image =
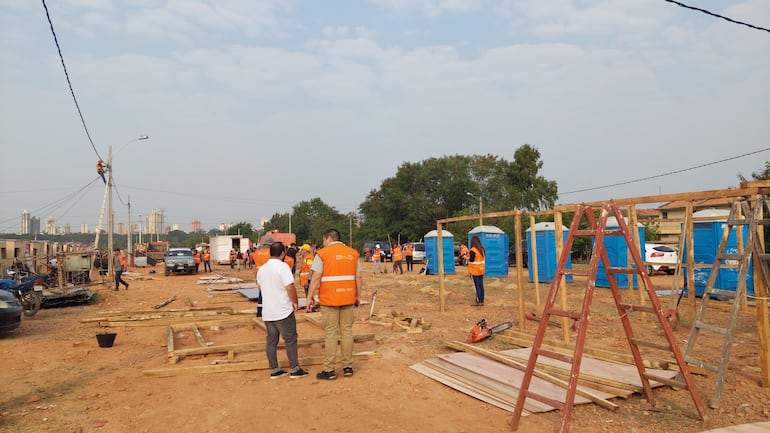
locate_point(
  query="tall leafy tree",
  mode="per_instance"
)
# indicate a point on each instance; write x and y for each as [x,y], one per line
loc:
[309,219]
[242,228]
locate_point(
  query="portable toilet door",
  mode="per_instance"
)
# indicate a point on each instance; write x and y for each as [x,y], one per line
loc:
[617,252]
[495,243]
[547,259]
[431,252]
[706,236]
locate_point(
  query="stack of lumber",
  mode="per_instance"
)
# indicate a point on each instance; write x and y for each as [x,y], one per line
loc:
[219,279]
[495,377]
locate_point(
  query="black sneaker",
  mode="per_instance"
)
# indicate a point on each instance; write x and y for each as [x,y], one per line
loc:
[326,375]
[277,374]
[298,374]
[347,371]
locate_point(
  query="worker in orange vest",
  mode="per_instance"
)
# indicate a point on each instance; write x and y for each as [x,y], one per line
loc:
[233,257]
[305,262]
[476,268]
[376,256]
[409,253]
[100,166]
[262,254]
[463,255]
[197,258]
[398,258]
[337,280]
[207,259]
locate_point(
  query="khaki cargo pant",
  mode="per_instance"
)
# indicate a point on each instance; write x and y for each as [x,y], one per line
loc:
[338,326]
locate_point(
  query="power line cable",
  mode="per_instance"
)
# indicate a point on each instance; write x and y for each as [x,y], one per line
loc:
[69,83]
[718,16]
[665,174]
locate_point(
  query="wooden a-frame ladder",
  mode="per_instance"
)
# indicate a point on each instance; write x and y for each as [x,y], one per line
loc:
[597,230]
[741,215]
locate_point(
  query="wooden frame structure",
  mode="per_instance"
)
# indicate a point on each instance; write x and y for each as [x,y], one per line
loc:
[749,190]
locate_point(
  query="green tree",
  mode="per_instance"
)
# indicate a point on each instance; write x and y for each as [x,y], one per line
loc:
[242,228]
[309,219]
[763,174]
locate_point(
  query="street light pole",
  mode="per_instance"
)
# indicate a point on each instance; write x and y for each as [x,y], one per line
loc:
[110,212]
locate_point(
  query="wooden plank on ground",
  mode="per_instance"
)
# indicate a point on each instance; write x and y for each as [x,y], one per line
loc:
[245,366]
[255,346]
[198,335]
[182,321]
[170,339]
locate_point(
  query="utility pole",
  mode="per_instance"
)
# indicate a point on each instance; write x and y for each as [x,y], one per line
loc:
[110,216]
[129,232]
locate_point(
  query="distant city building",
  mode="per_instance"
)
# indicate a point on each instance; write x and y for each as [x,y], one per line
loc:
[25,228]
[66,229]
[121,228]
[167,230]
[222,227]
[195,226]
[34,225]
[50,225]
[175,227]
[84,229]
[155,222]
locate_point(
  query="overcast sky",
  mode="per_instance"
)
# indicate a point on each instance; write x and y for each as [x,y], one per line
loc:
[254,106]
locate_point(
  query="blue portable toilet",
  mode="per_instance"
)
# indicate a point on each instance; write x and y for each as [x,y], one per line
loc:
[706,236]
[547,260]
[617,252]
[495,243]
[431,252]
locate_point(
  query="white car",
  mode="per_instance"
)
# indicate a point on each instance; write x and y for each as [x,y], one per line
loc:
[418,254]
[660,257]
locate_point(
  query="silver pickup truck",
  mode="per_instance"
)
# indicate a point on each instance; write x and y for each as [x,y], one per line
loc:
[179,260]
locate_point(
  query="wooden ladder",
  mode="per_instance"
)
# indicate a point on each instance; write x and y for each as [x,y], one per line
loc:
[741,215]
[597,230]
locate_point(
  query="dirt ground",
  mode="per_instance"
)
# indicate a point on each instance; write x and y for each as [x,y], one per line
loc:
[55,378]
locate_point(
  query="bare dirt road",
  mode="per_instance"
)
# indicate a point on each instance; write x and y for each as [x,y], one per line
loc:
[55,378]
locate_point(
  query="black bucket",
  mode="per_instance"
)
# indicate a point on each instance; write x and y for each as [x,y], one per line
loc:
[106,339]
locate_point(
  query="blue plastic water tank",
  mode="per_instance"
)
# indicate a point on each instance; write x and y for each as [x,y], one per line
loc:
[617,252]
[547,260]
[495,242]
[706,236]
[431,252]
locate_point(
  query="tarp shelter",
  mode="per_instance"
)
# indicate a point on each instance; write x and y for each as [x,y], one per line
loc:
[495,242]
[431,251]
[706,236]
[545,243]
[617,252]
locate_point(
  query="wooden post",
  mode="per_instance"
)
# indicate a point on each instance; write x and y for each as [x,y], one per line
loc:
[632,224]
[520,272]
[760,294]
[559,233]
[740,245]
[691,301]
[533,246]
[441,292]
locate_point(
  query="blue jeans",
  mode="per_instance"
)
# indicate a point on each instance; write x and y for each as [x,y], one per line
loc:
[478,283]
[286,328]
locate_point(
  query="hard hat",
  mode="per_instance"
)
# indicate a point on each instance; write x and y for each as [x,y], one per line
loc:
[305,247]
[377,246]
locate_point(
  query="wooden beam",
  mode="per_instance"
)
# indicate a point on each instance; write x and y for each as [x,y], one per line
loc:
[520,273]
[170,339]
[244,366]
[256,346]
[181,321]
[198,335]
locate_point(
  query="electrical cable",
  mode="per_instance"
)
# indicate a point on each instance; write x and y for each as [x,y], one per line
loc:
[718,16]
[69,83]
[51,207]
[664,174]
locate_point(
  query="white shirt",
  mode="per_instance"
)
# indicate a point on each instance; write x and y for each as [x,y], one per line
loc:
[272,279]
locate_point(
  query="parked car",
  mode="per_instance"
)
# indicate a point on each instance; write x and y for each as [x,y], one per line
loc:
[384,249]
[179,260]
[10,312]
[524,253]
[660,258]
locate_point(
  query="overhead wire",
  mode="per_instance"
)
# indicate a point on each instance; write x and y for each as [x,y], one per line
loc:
[56,204]
[665,174]
[69,82]
[707,12]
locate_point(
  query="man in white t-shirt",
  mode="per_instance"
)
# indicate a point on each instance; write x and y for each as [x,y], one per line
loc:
[279,302]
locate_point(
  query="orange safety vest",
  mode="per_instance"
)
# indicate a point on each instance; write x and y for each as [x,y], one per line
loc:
[463,251]
[122,259]
[397,256]
[304,269]
[338,280]
[376,255]
[409,250]
[100,166]
[197,257]
[476,267]
[289,260]
[233,255]
[207,256]
[261,256]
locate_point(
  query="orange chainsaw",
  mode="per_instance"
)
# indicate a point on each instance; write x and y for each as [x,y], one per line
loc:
[481,332]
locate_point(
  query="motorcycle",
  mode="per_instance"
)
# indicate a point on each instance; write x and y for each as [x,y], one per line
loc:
[28,290]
